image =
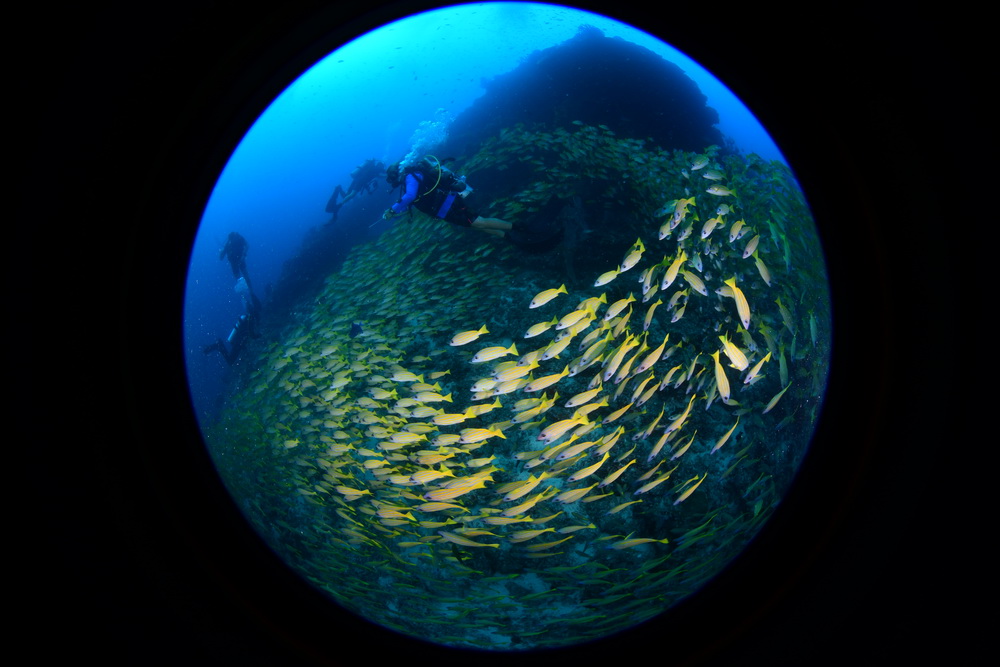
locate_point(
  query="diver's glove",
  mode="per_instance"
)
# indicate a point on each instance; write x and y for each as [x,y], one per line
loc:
[465,191]
[388,214]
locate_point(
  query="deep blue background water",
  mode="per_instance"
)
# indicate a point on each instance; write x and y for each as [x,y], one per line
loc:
[372,98]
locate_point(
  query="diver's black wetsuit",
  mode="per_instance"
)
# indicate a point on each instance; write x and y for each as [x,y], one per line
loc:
[362,180]
[246,327]
[236,251]
[441,202]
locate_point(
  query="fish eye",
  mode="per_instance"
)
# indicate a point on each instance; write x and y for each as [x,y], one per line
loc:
[304,441]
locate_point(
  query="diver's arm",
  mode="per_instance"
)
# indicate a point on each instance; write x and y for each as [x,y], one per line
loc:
[409,194]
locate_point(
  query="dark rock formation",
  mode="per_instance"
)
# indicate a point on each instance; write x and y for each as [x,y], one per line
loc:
[597,80]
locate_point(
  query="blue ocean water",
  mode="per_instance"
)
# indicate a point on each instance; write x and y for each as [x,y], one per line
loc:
[373,98]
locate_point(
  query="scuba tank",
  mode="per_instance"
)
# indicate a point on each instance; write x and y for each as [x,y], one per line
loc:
[435,179]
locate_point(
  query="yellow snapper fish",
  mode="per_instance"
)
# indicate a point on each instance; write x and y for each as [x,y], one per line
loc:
[677,423]
[491,353]
[734,231]
[649,315]
[774,401]
[544,297]
[617,307]
[681,205]
[513,372]
[756,369]
[664,230]
[471,435]
[555,348]
[589,470]
[751,246]
[736,357]
[684,496]
[633,257]
[431,397]
[678,314]
[467,336]
[463,541]
[615,475]
[583,397]
[558,429]
[447,419]
[696,283]
[526,487]
[762,269]
[720,378]
[709,226]
[540,328]
[742,307]
[725,437]
[606,277]
[652,357]
[680,451]
[630,541]
[572,318]
[719,190]
[671,274]
[546,381]
[573,495]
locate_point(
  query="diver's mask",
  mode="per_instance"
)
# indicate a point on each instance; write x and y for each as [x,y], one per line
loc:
[392,175]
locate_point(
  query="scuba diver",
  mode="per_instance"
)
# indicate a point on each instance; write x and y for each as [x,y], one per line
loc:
[236,251]
[435,190]
[362,180]
[246,326]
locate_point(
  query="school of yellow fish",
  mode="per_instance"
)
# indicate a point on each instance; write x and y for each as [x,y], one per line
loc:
[510,455]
